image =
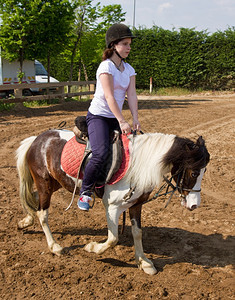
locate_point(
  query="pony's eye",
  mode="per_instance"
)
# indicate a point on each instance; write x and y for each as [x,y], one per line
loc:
[194,174]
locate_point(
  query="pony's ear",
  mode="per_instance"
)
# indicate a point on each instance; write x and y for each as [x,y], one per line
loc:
[200,141]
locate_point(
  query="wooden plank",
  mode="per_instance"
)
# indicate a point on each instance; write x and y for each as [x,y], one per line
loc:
[45,97]
[6,87]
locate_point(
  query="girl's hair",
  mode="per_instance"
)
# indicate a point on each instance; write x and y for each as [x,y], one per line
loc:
[108,52]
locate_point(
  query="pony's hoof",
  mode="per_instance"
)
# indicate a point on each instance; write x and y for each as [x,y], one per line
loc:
[56,249]
[147,267]
[91,247]
[26,222]
[97,248]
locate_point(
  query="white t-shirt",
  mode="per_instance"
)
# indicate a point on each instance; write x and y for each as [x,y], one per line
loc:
[121,81]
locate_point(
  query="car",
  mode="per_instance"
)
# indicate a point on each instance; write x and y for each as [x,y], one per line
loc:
[41,76]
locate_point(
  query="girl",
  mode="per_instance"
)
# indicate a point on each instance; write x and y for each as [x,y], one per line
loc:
[115,79]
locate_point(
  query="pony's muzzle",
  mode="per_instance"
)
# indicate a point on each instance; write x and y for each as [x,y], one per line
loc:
[193,207]
[191,201]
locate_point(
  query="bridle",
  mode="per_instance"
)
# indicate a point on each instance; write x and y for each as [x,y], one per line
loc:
[181,188]
[170,188]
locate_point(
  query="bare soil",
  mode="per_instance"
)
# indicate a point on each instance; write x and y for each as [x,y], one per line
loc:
[194,252]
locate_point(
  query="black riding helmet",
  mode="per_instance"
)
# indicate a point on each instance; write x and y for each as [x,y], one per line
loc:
[117,32]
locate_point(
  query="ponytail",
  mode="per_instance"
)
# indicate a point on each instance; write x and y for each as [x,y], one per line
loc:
[107,53]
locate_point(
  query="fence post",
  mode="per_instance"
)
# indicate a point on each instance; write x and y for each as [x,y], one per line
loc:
[60,91]
[91,89]
[18,93]
[151,85]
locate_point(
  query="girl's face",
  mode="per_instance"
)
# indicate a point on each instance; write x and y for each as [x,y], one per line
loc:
[124,47]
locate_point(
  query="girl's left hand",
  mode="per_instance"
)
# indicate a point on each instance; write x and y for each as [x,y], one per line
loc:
[136,125]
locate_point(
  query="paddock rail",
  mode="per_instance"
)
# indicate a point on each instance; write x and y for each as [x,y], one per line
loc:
[61,90]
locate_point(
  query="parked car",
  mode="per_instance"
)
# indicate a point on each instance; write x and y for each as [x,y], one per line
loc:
[41,76]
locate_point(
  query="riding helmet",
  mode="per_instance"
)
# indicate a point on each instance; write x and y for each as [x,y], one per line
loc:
[116,32]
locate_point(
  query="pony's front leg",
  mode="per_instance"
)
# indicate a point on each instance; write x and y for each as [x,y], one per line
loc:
[52,245]
[142,261]
[112,215]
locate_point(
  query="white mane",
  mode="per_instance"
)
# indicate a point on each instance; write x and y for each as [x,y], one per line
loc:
[146,154]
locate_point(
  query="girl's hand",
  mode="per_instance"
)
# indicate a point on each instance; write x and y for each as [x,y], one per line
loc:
[125,127]
[136,125]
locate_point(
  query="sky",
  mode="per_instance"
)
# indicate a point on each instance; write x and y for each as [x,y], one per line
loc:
[210,15]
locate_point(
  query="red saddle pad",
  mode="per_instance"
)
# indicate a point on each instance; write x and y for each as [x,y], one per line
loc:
[72,156]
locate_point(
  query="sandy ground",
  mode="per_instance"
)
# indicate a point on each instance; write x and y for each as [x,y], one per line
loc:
[194,252]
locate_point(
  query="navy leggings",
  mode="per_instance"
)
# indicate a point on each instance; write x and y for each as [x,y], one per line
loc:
[99,129]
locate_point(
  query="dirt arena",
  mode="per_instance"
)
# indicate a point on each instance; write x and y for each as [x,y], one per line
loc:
[194,252]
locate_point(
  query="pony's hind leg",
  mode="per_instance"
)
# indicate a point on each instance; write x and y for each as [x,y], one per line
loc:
[52,245]
[142,261]
[29,219]
[26,222]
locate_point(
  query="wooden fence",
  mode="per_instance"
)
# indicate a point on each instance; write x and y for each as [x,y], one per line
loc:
[51,90]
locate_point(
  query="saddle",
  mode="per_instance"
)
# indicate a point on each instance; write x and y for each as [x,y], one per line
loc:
[114,160]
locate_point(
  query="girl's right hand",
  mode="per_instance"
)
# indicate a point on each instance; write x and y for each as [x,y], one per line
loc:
[125,127]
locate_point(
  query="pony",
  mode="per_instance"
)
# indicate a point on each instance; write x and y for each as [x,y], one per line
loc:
[152,157]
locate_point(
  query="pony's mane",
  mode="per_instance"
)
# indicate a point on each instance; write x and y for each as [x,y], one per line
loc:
[184,153]
[154,154]
[147,152]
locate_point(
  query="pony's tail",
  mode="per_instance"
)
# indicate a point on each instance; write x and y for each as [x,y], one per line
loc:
[29,199]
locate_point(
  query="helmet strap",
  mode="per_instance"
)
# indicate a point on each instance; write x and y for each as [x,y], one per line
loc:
[118,54]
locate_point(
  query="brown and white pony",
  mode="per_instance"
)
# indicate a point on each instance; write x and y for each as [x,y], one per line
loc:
[152,155]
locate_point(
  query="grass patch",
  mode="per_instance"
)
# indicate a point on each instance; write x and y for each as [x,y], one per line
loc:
[169,91]
[41,103]
[173,91]
[6,106]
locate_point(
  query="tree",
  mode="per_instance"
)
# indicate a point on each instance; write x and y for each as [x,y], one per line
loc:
[17,30]
[93,41]
[89,29]
[55,18]
[85,16]
[34,29]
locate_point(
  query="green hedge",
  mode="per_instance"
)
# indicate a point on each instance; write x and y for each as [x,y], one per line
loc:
[186,58]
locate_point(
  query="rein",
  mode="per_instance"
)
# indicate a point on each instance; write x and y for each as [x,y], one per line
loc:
[61,125]
[168,184]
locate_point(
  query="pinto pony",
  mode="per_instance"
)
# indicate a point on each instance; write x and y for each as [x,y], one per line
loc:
[152,155]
